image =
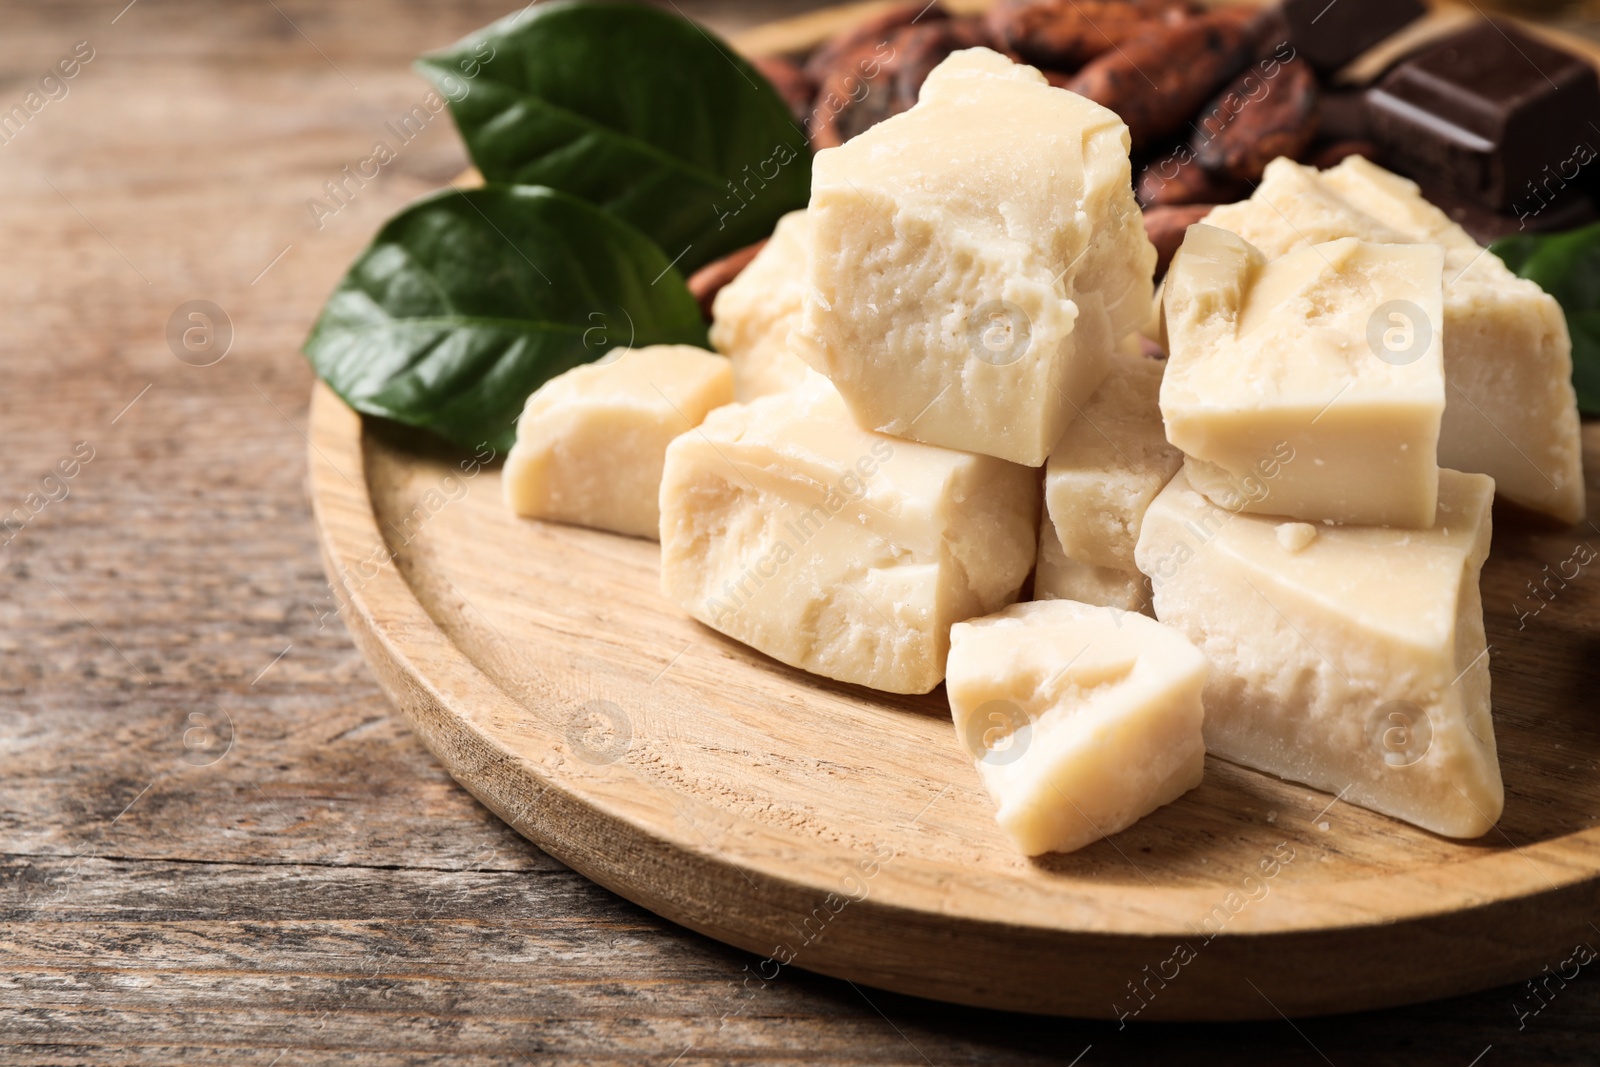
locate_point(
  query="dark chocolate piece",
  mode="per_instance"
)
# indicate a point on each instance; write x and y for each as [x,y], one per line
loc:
[1344,116]
[1493,114]
[1330,33]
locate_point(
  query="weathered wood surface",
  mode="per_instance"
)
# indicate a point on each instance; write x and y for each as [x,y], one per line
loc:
[324,892]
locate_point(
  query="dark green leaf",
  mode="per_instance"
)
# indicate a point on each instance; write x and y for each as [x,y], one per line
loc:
[636,110]
[1567,266]
[466,302]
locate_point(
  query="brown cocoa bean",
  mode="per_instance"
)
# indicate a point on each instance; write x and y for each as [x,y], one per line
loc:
[1157,80]
[1165,226]
[869,32]
[1256,119]
[875,82]
[791,82]
[1176,178]
[1063,35]
[707,282]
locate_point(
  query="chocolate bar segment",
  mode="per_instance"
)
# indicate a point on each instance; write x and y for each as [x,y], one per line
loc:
[1330,33]
[1493,114]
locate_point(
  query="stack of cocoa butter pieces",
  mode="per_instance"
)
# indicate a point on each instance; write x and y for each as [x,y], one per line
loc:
[972,443]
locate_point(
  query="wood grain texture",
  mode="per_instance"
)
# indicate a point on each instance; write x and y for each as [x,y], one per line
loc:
[325,893]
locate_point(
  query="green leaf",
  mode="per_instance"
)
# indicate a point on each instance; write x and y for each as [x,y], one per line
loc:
[636,110]
[1567,266]
[468,301]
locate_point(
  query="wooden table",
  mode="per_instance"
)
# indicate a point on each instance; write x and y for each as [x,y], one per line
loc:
[218,843]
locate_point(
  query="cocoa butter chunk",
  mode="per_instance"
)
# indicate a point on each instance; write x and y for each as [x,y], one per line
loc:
[709,280]
[1510,410]
[1491,113]
[1080,721]
[591,442]
[1332,34]
[975,260]
[1063,35]
[1256,119]
[1156,81]
[1353,660]
[1330,355]
[843,552]
[752,315]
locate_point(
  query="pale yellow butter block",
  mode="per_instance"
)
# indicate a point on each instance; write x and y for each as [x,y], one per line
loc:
[835,549]
[1109,465]
[1080,721]
[974,260]
[1056,577]
[591,442]
[1510,408]
[1350,658]
[1329,354]
[752,315]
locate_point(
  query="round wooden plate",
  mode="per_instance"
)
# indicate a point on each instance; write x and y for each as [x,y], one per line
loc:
[844,831]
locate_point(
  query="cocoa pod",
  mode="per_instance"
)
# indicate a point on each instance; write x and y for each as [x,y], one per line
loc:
[1256,119]
[876,81]
[1063,35]
[1335,152]
[869,32]
[791,82]
[1165,226]
[1177,178]
[1157,80]
[707,282]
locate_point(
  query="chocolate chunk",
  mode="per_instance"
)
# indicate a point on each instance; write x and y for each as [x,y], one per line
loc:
[1330,33]
[1493,114]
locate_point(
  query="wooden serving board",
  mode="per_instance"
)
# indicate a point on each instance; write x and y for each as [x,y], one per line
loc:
[844,831]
